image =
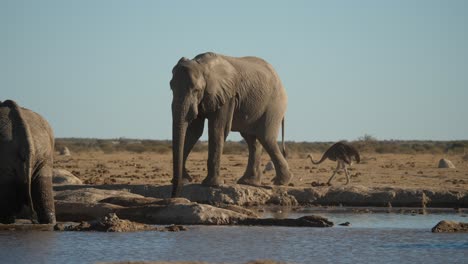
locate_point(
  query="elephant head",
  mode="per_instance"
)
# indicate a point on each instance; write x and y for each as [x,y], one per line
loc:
[199,86]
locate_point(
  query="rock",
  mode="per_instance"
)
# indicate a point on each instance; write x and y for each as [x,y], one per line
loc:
[269,167]
[140,201]
[241,195]
[345,224]
[64,151]
[239,209]
[445,163]
[186,214]
[305,221]
[92,195]
[281,197]
[175,228]
[130,201]
[60,227]
[450,227]
[26,227]
[176,200]
[64,177]
[76,211]
[237,194]
[112,223]
[265,261]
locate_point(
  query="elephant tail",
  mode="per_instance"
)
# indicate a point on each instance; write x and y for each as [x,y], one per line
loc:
[282,139]
[23,136]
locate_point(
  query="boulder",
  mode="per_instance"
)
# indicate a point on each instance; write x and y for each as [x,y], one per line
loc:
[64,177]
[112,223]
[76,211]
[450,227]
[141,201]
[237,194]
[446,164]
[26,227]
[242,195]
[186,214]
[239,209]
[130,201]
[305,221]
[92,195]
[269,167]
[281,197]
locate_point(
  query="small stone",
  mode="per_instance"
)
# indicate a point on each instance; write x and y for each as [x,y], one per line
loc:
[445,163]
[59,227]
[345,224]
[175,228]
[64,151]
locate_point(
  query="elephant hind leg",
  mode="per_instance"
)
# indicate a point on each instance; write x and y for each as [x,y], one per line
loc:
[42,195]
[283,175]
[253,173]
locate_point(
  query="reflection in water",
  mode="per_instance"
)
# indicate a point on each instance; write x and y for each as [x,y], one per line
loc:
[21,246]
[372,238]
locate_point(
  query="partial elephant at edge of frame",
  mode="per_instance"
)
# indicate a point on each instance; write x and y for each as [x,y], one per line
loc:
[26,148]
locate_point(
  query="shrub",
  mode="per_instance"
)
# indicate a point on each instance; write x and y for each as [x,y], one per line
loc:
[364,144]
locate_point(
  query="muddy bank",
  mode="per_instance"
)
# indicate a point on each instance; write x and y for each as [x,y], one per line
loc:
[26,227]
[88,204]
[242,195]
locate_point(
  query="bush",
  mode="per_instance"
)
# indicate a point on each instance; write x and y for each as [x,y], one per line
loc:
[363,144]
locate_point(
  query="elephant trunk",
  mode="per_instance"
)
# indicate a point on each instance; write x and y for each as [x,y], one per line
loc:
[179,128]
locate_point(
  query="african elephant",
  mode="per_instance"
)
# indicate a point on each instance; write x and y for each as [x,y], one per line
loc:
[241,94]
[26,151]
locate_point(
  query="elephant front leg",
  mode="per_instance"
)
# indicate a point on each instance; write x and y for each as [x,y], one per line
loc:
[194,132]
[253,173]
[42,196]
[215,149]
[219,125]
[8,200]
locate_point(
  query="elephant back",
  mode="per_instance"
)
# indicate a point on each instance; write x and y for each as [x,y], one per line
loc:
[6,126]
[17,130]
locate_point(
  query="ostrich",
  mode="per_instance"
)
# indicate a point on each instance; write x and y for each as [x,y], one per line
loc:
[343,154]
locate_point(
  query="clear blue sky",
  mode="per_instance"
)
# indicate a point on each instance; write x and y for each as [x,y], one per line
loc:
[391,69]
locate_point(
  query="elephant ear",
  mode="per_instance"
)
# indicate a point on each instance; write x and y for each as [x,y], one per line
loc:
[179,63]
[220,84]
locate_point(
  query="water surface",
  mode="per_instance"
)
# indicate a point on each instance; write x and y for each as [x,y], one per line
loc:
[371,238]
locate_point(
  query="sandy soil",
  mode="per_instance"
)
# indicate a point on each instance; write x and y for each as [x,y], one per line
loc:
[375,170]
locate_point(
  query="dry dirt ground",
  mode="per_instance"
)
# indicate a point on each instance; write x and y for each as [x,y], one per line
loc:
[375,170]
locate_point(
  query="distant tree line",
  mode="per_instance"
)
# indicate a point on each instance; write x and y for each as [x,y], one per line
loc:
[364,144]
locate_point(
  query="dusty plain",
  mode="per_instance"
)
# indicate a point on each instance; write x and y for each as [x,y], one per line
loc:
[416,171]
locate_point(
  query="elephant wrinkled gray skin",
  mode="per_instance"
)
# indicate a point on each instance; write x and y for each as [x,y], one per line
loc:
[235,94]
[26,151]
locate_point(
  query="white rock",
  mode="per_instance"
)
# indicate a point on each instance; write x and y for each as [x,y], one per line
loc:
[445,163]
[64,151]
[64,177]
[269,166]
